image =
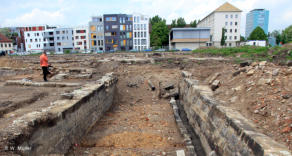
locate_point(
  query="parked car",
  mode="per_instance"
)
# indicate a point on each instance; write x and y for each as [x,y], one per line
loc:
[99,51]
[148,50]
[175,50]
[160,50]
[2,53]
[133,50]
[186,49]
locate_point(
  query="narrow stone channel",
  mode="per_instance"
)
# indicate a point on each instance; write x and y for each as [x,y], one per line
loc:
[139,123]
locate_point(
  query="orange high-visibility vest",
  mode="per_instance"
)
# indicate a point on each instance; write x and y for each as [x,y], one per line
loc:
[44,60]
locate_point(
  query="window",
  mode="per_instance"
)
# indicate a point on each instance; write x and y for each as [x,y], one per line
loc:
[135,19]
[30,40]
[235,23]
[121,20]
[230,44]
[226,23]
[58,38]
[130,27]
[235,37]
[235,30]
[63,38]
[138,34]
[113,33]
[28,34]
[230,23]
[58,43]
[38,34]
[230,37]
[145,27]
[114,26]
[40,40]
[36,40]
[231,30]
[236,16]
[138,19]
[76,37]
[92,28]
[231,16]
[141,34]
[9,45]
[63,32]
[57,32]
[83,37]
[135,34]
[143,41]
[226,16]
[135,26]
[145,34]
[107,27]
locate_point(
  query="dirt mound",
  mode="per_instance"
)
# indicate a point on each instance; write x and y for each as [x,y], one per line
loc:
[132,140]
[13,63]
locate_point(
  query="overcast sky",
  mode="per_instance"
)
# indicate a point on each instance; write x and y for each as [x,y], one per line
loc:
[72,13]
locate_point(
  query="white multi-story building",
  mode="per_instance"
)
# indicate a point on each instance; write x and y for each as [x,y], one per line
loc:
[228,17]
[63,39]
[81,38]
[96,34]
[141,36]
[34,38]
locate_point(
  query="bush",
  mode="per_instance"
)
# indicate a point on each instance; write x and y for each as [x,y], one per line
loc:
[67,51]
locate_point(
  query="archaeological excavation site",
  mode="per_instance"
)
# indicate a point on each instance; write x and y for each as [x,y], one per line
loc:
[145,104]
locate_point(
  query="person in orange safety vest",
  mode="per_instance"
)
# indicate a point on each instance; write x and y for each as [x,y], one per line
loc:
[44,64]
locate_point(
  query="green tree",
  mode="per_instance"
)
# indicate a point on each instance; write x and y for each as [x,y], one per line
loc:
[6,32]
[173,23]
[159,34]
[277,35]
[242,39]
[286,35]
[156,19]
[223,37]
[180,22]
[258,34]
[193,23]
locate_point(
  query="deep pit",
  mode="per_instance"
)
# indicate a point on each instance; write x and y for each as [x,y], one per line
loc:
[107,105]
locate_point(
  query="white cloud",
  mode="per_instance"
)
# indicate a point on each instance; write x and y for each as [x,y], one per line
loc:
[36,17]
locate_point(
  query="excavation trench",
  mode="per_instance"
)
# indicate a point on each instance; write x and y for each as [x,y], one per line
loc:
[121,115]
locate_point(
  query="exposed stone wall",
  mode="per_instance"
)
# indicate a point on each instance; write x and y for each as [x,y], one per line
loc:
[63,123]
[223,130]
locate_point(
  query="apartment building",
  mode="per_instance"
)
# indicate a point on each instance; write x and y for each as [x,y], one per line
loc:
[228,17]
[96,34]
[191,38]
[255,18]
[141,35]
[34,38]
[49,44]
[5,44]
[80,35]
[118,32]
[63,39]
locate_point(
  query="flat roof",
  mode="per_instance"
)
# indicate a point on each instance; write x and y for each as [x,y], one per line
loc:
[201,28]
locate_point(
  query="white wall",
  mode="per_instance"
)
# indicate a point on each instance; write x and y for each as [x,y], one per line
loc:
[137,40]
[78,39]
[217,20]
[34,41]
[6,46]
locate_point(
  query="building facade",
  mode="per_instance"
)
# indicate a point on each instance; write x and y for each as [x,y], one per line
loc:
[49,44]
[81,38]
[191,38]
[6,44]
[34,38]
[227,17]
[118,32]
[96,34]
[141,35]
[63,40]
[255,18]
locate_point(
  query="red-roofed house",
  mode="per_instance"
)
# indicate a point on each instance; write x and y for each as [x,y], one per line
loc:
[5,44]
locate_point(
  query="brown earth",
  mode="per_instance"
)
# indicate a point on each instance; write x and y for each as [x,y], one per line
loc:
[140,123]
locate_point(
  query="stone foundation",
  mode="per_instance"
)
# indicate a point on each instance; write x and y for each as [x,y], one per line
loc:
[221,129]
[54,129]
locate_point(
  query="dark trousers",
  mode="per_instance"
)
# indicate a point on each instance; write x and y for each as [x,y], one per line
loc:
[45,73]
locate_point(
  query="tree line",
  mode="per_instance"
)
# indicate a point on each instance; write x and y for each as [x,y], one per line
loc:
[160,30]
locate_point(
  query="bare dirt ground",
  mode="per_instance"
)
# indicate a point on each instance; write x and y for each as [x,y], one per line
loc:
[139,122]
